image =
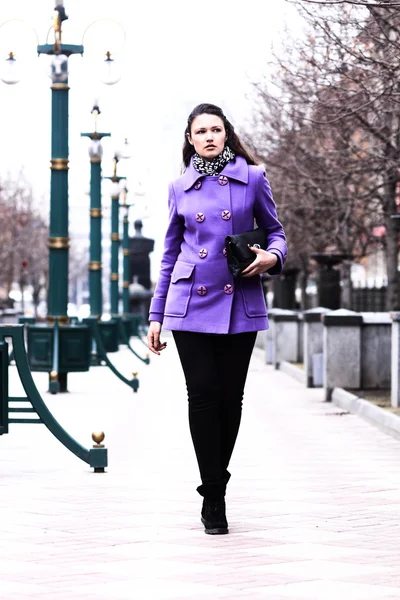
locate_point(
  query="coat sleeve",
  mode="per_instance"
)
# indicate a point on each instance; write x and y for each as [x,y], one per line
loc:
[266,217]
[172,248]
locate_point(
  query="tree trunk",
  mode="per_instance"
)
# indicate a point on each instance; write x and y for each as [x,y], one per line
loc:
[304,305]
[10,274]
[393,296]
[35,298]
[346,285]
[22,290]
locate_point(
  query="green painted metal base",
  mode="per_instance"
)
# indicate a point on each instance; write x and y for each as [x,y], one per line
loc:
[124,327]
[26,320]
[58,385]
[136,327]
[3,387]
[109,335]
[54,386]
[95,360]
[23,320]
[101,352]
[96,457]
[58,350]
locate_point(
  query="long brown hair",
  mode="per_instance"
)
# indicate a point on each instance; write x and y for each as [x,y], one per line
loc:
[232,141]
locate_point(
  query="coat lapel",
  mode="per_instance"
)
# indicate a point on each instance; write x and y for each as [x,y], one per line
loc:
[236,169]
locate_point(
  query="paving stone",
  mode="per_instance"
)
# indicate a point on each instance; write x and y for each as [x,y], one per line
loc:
[313,503]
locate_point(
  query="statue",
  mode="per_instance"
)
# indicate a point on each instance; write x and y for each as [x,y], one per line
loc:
[139,259]
[140,248]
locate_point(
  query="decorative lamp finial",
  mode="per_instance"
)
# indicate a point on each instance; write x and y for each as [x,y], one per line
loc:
[98,438]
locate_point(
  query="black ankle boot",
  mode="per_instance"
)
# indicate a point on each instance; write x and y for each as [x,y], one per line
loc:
[213,516]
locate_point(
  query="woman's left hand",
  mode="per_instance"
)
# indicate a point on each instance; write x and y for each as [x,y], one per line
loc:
[264,261]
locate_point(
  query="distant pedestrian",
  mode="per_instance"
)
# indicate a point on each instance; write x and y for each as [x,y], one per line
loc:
[214,316]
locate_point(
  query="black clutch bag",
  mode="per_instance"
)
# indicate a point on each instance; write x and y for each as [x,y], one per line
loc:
[238,253]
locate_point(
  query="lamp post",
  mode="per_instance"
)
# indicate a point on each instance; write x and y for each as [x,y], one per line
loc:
[125,252]
[95,264]
[115,238]
[54,349]
[115,242]
[59,238]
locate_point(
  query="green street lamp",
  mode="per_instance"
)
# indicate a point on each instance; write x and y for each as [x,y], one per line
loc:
[59,237]
[95,263]
[10,72]
[126,253]
[111,74]
[115,238]
[127,325]
[54,349]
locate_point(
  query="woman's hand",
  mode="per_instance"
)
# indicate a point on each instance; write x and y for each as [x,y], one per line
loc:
[264,261]
[153,338]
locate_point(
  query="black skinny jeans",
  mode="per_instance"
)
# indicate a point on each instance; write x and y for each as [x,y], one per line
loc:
[215,368]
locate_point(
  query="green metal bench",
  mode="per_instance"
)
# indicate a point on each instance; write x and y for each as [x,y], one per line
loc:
[11,411]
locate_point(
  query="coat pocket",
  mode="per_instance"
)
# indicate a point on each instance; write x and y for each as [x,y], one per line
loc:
[253,297]
[180,290]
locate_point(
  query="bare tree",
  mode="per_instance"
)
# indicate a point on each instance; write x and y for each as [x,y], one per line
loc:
[23,239]
[330,125]
[31,267]
[322,205]
[364,3]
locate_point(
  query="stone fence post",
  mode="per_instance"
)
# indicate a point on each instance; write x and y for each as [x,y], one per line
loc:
[341,350]
[284,336]
[376,336]
[270,336]
[395,363]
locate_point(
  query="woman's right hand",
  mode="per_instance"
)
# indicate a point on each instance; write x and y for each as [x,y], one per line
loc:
[153,338]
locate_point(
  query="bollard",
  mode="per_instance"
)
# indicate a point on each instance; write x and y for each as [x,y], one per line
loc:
[312,343]
[341,350]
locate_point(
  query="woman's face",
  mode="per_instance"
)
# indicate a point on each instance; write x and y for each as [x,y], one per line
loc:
[207,135]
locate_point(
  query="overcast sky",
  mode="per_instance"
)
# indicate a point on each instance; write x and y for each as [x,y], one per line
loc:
[177,54]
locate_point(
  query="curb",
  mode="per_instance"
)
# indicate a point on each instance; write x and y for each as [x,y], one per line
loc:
[373,414]
[387,422]
[293,371]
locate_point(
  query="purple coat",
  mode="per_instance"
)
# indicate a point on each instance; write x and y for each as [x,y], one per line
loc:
[195,289]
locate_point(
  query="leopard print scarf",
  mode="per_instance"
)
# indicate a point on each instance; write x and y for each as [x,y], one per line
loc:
[215,165]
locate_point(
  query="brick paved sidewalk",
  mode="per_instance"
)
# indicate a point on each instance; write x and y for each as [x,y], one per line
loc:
[313,504]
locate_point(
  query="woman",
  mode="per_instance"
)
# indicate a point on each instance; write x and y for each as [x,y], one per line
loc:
[214,318]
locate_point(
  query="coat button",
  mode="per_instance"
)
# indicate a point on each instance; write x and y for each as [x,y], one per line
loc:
[202,290]
[228,289]
[222,180]
[203,253]
[226,215]
[197,185]
[224,252]
[200,217]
